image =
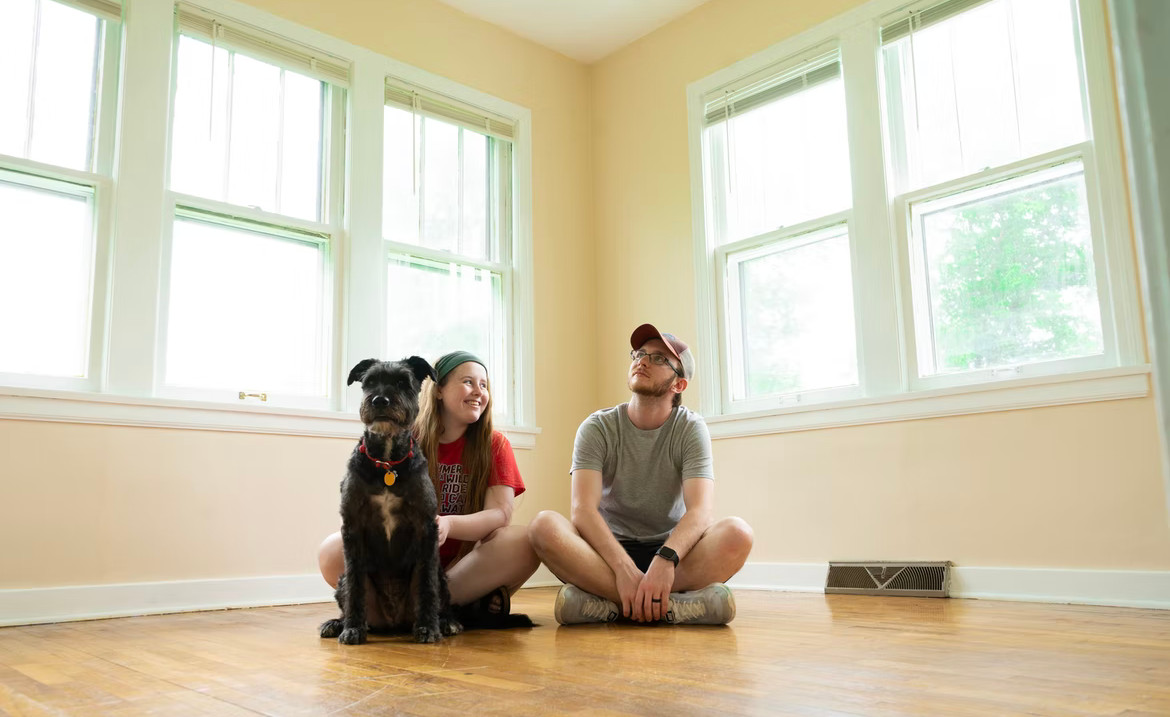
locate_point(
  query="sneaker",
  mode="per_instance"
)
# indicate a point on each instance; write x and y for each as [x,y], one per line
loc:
[713,605]
[575,606]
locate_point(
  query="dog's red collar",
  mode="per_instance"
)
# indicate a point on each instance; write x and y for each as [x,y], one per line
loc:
[390,476]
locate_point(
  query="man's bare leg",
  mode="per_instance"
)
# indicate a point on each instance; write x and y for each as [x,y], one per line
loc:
[718,555]
[569,557]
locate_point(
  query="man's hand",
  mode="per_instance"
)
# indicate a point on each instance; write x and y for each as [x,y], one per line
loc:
[628,580]
[444,526]
[653,596]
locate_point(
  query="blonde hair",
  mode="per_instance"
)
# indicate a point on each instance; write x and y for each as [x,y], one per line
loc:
[477,461]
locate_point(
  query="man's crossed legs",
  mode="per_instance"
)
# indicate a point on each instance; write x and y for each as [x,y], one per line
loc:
[698,594]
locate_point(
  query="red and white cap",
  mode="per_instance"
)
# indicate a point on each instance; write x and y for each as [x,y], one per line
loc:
[676,346]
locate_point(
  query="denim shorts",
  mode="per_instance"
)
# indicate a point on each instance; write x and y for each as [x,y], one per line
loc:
[641,552]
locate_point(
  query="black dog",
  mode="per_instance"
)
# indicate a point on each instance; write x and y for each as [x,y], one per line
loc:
[388,509]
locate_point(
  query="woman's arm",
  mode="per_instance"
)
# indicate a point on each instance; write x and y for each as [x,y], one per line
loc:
[496,513]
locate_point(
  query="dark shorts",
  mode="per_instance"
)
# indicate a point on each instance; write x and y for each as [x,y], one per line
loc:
[641,552]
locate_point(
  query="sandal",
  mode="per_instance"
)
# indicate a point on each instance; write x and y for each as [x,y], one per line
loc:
[496,604]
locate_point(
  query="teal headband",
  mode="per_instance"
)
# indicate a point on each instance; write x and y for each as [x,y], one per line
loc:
[449,361]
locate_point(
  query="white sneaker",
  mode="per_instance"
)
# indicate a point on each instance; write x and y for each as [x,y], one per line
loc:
[712,605]
[575,606]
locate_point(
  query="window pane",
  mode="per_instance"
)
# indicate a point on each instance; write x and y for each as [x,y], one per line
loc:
[399,190]
[1009,274]
[463,310]
[52,50]
[440,185]
[795,308]
[474,238]
[990,86]
[245,311]
[46,239]
[247,132]
[788,162]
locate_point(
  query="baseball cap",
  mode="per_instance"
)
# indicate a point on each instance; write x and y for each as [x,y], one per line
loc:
[676,346]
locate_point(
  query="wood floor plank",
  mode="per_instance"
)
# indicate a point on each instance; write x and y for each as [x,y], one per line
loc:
[786,653]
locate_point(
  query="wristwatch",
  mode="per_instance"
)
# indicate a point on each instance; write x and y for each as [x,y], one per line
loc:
[668,553]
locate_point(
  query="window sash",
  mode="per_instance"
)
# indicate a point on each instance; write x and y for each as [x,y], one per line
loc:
[262,224]
[917,309]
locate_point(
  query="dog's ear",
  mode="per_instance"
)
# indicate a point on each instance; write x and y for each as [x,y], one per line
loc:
[422,369]
[358,371]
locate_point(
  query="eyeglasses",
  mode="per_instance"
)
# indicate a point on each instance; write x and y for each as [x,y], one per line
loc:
[657,359]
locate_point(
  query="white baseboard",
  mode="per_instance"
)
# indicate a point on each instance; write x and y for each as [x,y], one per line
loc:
[1120,588]
[91,602]
[1117,588]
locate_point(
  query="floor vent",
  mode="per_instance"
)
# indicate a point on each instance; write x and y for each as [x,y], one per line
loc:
[889,578]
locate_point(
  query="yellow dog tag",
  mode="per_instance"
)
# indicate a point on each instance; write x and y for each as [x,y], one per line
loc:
[391,476]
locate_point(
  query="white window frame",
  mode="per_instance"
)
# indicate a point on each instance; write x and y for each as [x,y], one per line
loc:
[97,184]
[889,387]
[127,383]
[504,256]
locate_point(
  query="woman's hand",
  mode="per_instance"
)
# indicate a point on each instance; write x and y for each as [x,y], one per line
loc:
[444,526]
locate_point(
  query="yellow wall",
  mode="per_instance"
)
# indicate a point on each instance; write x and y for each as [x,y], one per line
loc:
[85,505]
[1075,486]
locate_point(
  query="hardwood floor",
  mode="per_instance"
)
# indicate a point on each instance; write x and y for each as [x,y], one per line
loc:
[785,653]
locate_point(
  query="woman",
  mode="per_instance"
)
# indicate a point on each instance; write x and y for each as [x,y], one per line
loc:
[476,481]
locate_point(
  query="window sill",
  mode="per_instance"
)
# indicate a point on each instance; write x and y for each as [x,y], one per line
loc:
[110,410]
[1104,385]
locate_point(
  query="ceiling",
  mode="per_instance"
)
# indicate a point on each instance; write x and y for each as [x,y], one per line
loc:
[585,30]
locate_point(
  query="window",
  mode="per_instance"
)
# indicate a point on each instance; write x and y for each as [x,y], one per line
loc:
[778,197]
[233,268]
[249,297]
[447,225]
[908,201]
[55,155]
[987,136]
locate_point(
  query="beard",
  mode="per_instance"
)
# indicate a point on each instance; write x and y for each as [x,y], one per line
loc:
[654,390]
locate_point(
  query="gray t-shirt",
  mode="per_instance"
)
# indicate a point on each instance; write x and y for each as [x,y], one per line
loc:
[642,471]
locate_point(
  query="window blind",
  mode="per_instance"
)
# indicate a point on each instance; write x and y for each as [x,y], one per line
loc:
[904,22]
[105,9]
[769,86]
[404,96]
[254,42]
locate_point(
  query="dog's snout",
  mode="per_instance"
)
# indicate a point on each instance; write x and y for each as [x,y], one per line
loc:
[379,401]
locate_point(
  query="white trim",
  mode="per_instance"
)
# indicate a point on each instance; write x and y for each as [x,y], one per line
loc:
[92,602]
[1104,385]
[1116,588]
[543,578]
[33,606]
[111,410]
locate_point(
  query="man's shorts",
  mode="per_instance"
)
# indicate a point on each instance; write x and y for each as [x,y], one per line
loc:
[641,552]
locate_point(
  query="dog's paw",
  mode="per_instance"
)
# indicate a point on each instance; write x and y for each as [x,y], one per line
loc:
[427,633]
[352,636]
[450,626]
[331,628]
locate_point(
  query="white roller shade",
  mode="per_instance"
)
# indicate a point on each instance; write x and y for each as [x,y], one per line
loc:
[105,9]
[404,96]
[900,24]
[254,42]
[768,86]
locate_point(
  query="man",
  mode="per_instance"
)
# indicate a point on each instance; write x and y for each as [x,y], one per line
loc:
[642,541]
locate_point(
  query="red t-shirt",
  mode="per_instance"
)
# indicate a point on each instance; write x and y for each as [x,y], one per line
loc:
[453,482]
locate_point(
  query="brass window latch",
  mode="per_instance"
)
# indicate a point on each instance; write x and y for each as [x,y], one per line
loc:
[261,396]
